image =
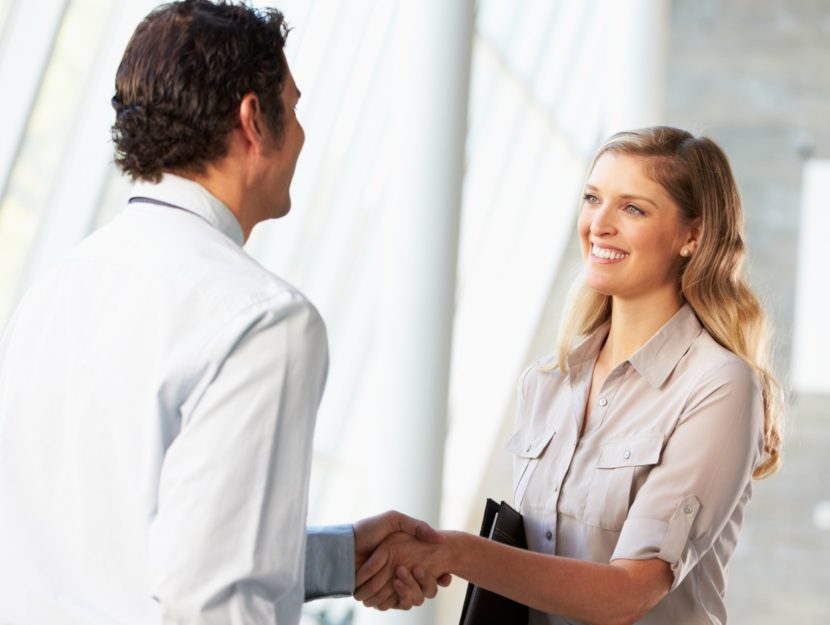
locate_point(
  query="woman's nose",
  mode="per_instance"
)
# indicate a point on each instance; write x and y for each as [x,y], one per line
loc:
[603,221]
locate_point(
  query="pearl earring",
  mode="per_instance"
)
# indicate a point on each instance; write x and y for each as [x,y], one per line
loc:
[685,253]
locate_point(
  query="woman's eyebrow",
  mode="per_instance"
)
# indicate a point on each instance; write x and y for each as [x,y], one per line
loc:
[627,196]
[640,198]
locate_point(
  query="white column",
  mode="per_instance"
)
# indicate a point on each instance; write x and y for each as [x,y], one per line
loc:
[811,342]
[637,53]
[420,246]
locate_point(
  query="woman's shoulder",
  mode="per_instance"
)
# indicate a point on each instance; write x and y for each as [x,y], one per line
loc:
[547,365]
[712,371]
[541,378]
[712,359]
[541,397]
[545,368]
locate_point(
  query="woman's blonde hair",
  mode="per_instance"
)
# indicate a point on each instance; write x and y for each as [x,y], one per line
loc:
[696,174]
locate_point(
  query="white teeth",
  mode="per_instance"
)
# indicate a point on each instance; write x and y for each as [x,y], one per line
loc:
[601,252]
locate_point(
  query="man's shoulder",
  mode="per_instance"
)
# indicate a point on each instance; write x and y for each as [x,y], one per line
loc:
[179,262]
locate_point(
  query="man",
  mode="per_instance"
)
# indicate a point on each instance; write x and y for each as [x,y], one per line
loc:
[158,387]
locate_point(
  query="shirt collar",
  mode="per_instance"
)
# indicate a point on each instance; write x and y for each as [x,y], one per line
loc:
[194,198]
[657,358]
[586,352]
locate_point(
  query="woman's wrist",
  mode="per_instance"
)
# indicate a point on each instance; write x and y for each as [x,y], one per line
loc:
[454,552]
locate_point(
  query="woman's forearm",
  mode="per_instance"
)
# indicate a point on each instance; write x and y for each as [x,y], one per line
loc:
[610,594]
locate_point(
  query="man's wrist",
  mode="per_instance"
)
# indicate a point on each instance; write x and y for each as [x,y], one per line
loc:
[330,561]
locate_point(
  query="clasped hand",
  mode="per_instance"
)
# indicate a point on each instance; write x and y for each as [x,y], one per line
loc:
[397,562]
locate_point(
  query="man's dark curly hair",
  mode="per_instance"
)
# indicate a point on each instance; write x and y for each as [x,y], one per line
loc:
[182,78]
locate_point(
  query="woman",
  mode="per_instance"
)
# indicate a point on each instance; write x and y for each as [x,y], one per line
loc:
[636,448]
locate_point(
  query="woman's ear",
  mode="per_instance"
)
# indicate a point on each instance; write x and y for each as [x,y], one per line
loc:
[693,236]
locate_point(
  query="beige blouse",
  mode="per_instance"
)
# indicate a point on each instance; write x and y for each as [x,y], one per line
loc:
[665,474]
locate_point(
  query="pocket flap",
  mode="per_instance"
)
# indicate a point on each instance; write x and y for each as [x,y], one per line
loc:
[525,444]
[631,452]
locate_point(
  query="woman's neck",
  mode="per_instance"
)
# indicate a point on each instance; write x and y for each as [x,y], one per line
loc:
[634,322]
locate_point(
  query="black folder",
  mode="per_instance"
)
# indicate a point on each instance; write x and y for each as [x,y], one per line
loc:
[482,607]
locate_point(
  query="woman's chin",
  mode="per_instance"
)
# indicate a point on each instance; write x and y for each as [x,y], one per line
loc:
[600,285]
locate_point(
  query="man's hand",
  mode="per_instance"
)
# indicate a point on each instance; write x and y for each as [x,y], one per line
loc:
[398,555]
[412,586]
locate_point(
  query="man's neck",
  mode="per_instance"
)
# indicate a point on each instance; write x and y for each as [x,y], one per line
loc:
[229,188]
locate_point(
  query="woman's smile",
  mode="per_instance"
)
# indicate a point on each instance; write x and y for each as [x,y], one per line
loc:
[607,255]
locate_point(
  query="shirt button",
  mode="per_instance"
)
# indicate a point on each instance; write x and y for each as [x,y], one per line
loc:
[549,535]
[627,454]
[603,402]
[687,509]
[528,447]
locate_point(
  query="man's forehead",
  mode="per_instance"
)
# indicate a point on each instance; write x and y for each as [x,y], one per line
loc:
[290,86]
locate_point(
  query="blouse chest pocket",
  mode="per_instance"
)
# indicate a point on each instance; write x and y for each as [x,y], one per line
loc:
[527,449]
[621,464]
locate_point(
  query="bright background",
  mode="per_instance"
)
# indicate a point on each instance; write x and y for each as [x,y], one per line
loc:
[549,79]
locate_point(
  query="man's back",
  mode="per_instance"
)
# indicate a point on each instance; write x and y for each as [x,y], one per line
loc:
[157,389]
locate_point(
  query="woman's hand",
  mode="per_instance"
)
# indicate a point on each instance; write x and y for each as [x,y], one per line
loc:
[398,566]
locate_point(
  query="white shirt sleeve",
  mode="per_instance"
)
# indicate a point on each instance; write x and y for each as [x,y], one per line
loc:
[227,544]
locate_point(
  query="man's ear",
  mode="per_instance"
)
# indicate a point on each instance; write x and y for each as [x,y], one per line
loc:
[252,121]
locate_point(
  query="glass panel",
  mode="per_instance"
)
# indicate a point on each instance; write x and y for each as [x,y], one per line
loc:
[30,184]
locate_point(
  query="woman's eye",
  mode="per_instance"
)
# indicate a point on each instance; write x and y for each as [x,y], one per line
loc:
[588,197]
[633,210]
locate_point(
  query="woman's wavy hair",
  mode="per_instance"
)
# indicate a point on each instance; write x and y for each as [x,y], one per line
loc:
[182,78]
[696,174]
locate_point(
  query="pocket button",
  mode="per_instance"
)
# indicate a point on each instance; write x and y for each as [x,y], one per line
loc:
[627,454]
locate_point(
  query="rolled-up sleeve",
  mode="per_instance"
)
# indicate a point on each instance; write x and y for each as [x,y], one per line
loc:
[228,542]
[704,472]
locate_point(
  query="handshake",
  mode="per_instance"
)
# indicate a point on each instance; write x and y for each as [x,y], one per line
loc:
[398,561]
